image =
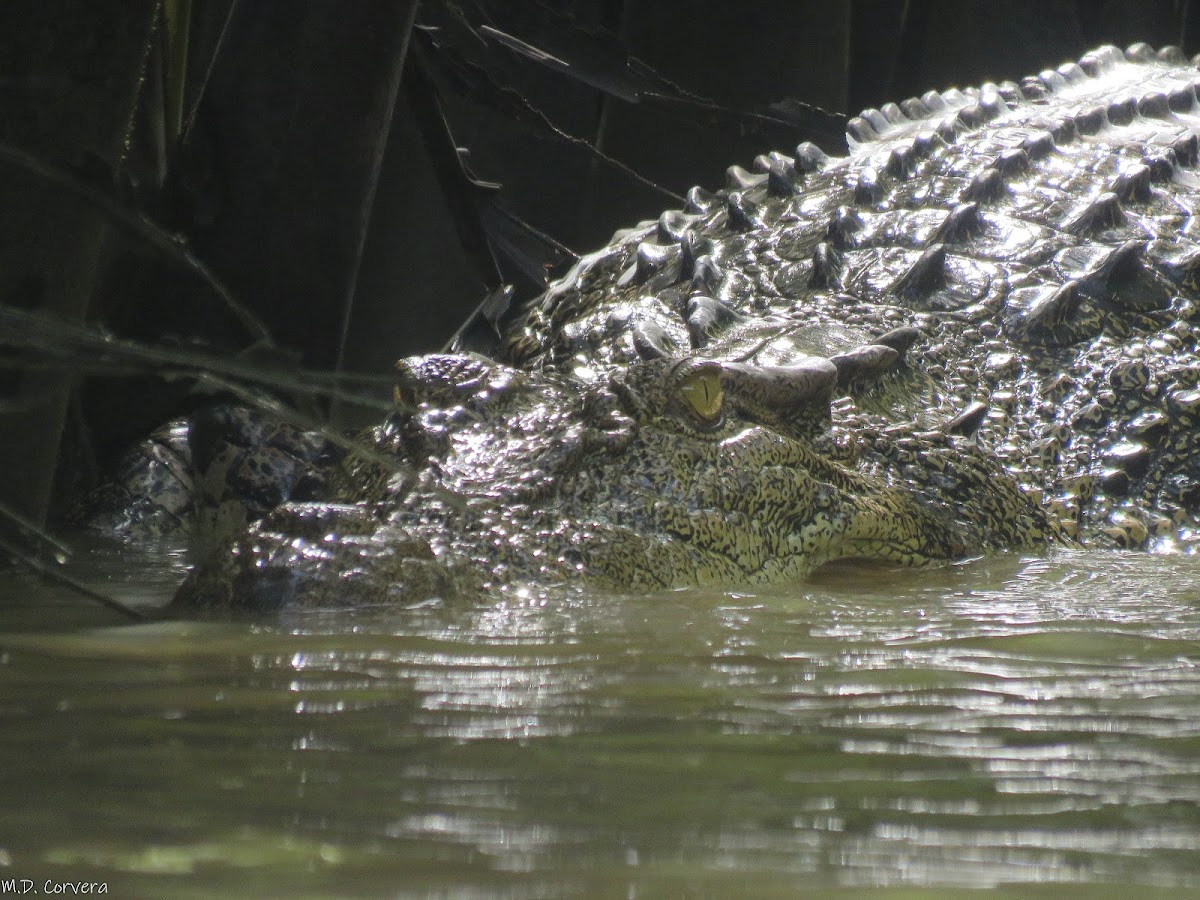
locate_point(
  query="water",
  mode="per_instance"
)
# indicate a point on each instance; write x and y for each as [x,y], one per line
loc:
[1030,724]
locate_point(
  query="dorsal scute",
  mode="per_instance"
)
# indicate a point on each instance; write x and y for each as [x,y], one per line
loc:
[958,111]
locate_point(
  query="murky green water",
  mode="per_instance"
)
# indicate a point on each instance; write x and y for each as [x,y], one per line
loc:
[1028,723]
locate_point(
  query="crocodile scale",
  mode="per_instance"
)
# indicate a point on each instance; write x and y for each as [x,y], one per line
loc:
[1040,236]
[975,332]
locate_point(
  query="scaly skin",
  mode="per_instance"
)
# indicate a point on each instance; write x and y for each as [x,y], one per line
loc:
[974,332]
[1041,238]
[532,478]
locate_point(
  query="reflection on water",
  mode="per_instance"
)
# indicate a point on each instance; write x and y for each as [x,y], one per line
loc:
[1004,722]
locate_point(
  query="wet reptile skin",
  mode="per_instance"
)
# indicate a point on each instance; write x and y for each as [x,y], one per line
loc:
[976,331]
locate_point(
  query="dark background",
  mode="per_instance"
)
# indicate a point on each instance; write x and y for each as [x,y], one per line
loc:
[309,156]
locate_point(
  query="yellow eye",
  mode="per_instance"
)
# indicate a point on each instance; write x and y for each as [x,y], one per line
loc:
[702,395]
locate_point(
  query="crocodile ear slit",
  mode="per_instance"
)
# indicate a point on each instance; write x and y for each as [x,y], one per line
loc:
[791,393]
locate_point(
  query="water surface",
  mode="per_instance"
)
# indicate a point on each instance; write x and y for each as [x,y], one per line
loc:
[1030,724]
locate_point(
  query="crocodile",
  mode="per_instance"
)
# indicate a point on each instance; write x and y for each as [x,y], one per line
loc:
[976,331]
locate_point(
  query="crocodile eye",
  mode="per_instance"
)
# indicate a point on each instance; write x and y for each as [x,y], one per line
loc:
[703,396]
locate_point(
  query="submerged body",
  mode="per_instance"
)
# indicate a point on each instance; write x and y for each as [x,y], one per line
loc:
[976,331]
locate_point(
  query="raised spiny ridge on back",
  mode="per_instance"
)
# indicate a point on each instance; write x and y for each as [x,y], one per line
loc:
[976,331]
[1049,221]
[952,111]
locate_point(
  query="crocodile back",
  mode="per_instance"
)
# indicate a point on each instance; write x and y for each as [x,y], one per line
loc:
[1039,236]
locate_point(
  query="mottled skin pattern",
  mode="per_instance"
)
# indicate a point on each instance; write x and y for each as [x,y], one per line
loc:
[525,477]
[1042,237]
[974,332]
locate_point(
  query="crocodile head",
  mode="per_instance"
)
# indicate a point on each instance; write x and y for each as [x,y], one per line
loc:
[669,472]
